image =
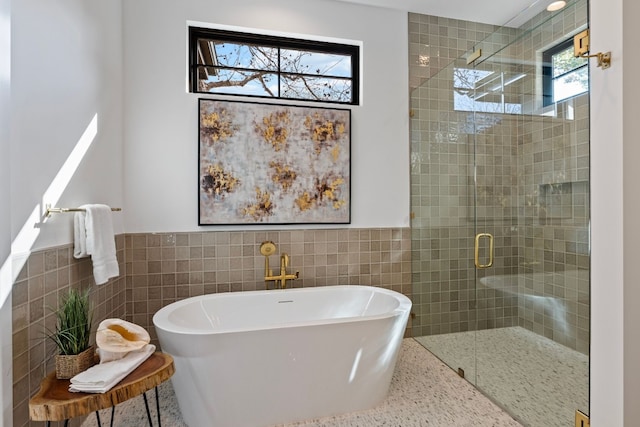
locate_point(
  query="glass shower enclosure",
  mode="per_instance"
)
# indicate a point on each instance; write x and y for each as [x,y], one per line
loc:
[500,218]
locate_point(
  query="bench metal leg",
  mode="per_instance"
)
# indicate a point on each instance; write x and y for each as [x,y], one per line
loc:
[146,405]
[113,413]
[158,407]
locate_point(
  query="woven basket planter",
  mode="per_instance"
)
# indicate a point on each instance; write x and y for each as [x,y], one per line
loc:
[70,366]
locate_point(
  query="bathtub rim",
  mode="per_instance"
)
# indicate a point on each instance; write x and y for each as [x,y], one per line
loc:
[162,323]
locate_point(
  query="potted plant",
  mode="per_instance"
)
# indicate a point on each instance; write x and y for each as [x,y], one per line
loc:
[72,334]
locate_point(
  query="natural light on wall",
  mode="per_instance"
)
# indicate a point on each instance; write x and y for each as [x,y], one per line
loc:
[5,46]
[24,241]
[5,80]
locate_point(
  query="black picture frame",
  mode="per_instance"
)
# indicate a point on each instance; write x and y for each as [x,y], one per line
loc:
[263,163]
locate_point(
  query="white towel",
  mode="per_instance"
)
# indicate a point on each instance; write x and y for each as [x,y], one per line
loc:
[93,235]
[103,377]
[79,236]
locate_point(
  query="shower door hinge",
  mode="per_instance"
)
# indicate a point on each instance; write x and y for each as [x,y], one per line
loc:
[581,50]
[475,55]
[582,420]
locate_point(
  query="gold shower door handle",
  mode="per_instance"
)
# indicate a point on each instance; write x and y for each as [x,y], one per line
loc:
[477,250]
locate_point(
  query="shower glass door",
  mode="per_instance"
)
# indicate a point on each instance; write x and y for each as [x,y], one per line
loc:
[500,229]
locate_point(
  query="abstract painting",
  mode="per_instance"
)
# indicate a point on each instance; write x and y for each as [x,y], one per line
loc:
[273,164]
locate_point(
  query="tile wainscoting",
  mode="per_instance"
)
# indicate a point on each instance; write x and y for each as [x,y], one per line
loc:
[163,268]
[157,269]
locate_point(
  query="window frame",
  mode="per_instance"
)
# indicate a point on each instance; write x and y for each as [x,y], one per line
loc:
[353,50]
[547,72]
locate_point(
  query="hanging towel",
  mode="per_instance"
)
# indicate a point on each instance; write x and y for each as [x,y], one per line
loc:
[79,236]
[103,377]
[93,235]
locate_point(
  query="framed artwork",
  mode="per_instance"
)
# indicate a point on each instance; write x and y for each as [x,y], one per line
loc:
[273,164]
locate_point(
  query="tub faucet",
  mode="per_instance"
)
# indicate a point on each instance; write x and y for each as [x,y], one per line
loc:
[268,248]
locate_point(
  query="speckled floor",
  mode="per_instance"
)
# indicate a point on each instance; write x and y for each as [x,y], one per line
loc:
[423,392]
[540,382]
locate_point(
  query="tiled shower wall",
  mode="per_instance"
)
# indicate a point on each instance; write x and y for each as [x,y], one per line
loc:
[435,42]
[157,269]
[442,176]
[446,210]
[531,193]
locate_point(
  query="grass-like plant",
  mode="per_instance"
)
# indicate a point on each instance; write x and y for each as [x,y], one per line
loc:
[73,323]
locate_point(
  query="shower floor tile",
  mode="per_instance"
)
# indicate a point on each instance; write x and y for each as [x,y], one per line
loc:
[423,392]
[540,382]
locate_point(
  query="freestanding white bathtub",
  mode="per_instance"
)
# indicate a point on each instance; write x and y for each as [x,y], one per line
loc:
[267,357]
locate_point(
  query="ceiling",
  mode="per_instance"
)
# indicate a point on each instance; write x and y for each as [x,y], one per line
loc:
[498,12]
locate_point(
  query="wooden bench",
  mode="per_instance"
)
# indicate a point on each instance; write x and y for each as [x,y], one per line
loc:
[54,401]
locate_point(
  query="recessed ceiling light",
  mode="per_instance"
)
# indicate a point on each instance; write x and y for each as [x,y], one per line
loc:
[556,5]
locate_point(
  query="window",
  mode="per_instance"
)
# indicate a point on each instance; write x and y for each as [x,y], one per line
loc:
[564,75]
[486,91]
[232,63]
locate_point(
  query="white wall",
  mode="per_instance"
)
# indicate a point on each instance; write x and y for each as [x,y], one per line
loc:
[631,212]
[607,370]
[615,209]
[6,359]
[66,73]
[161,139]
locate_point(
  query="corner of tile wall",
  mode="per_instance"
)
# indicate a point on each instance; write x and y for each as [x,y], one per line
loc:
[44,280]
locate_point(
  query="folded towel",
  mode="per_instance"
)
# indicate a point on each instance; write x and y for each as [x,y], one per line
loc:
[109,356]
[93,235]
[103,377]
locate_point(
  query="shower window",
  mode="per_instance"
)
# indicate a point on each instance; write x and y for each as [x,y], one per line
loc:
[564,75]
[485,91]
[232,63]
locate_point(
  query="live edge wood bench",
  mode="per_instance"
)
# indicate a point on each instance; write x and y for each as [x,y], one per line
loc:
[54,401]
